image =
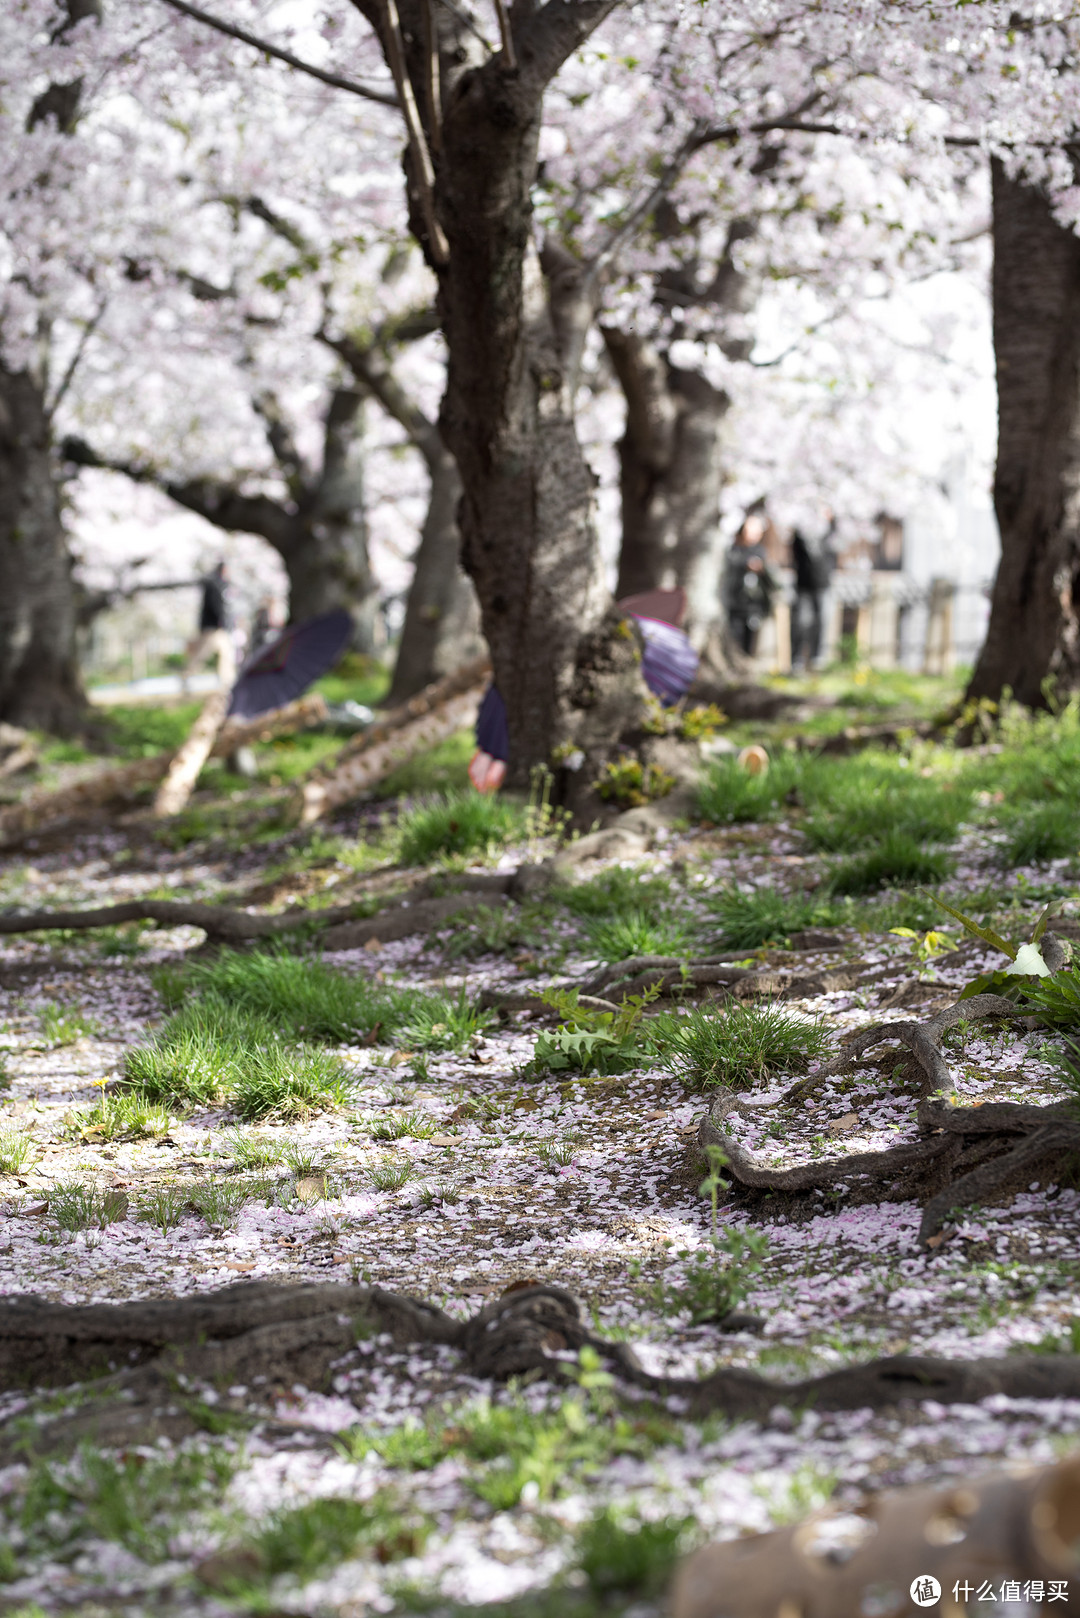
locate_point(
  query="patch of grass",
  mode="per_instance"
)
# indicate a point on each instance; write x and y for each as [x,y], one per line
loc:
[391,1176]
[142,732]
[611,893]
[302,998]
[164,1207]
[285,1082]
[120,942]
[75,1206]
[16,1151]
[495,930]
[512,1445]
[738,1047]
[622,1556]
[253,1151]
[446,825]
[212,1052]
[898,860]
[728,795]
[402,1126]
[591,1040]
[118,1117]
[444,769]
[748,919]
[637,932]
[862,801]
[1049,831]
[220,1201]
[63,1024]
[443,1022]
[303,1540]
[136,1500]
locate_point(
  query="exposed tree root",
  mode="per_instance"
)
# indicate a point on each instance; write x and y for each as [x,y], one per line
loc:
[986,1529]
[964,1154]
[341,927]
[146,1361]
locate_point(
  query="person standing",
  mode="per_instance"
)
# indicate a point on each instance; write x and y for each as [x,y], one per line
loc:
[748,587]
[214,636]
[813,561]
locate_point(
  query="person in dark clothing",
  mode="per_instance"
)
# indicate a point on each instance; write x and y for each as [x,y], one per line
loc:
[214,612]
[213,637]
[813,563]
[748,586]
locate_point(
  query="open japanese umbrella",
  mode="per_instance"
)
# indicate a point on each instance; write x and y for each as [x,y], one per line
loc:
[283,670]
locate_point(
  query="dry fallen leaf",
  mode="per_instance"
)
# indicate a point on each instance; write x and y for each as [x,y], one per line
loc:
[231,1264]
[935,1241]
[844,1125]
[34,1210]
[310,1187]
[400,1057]
[443,1140]
[373,946]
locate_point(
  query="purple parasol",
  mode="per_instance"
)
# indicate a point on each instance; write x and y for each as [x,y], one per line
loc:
[283,670]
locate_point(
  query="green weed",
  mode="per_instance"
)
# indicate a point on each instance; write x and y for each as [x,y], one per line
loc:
[512,1445]
[740,1046]
[714,1280]
[219,1202]
[457,824]
[591,1040]
[862,801]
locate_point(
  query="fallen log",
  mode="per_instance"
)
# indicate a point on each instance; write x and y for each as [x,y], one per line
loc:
[963,1154]
[123,781]
[1002,1526]
[136,1356]
[414,727]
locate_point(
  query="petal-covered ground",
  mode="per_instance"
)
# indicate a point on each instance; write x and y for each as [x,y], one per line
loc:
[449,1168]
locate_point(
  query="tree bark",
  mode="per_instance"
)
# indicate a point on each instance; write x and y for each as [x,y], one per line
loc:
[39,678]
[1034,633]
[671,475]
[529,540]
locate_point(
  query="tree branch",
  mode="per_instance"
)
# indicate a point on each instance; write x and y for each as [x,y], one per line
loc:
[216,502]
[394,49]
[335,80]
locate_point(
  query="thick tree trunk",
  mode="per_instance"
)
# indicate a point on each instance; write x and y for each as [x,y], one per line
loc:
[1034,631]
[442,618]
[39,679]
[529,540]
[327,565]
[670,475]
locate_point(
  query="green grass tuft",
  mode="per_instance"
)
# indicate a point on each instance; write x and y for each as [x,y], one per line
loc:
[738,1047]
[457,824]
[748,919]
[898,860]
[620,1556]
[637,932]
[728,795]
